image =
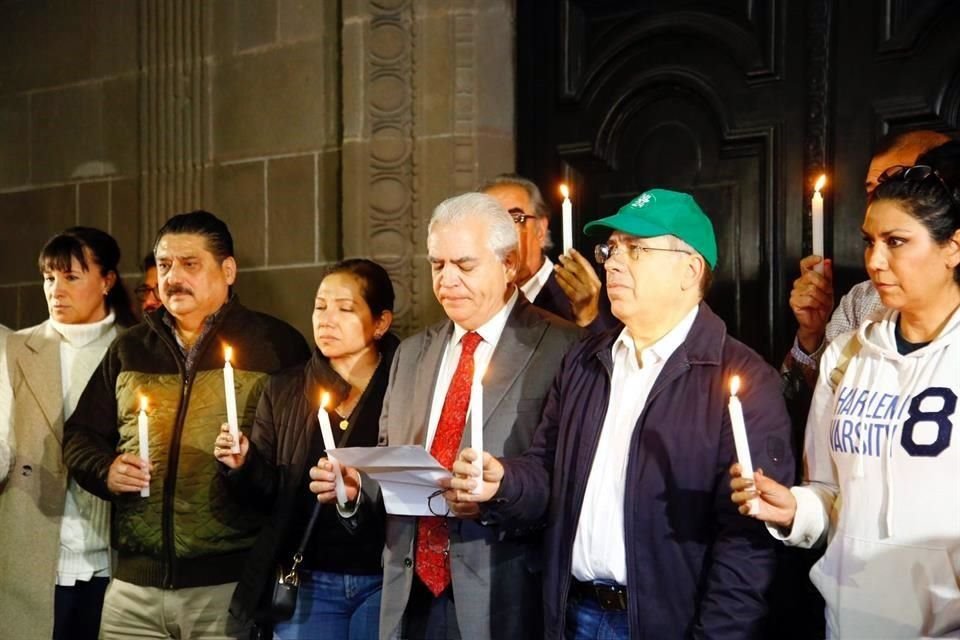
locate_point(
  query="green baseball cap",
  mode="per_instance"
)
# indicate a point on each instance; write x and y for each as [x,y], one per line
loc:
[660,212]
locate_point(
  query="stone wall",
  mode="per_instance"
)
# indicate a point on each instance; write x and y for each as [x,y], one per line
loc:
[318,129]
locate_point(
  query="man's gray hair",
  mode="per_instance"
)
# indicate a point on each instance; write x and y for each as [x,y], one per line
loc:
[513,180]
[502,236]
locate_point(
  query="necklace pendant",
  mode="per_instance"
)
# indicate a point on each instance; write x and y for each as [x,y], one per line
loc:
[344,424]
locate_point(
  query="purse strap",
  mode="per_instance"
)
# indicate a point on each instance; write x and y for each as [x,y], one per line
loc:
[304,541]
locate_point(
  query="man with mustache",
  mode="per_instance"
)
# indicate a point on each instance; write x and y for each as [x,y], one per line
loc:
[180,550]
[628,464]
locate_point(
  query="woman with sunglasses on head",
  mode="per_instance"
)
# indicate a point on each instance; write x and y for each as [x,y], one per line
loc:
[54,551]
[882,486]
[341,573]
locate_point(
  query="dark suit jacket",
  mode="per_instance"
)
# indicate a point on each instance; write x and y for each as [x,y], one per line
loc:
[495,570]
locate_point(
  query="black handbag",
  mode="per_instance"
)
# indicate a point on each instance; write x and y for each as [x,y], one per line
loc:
[286,584]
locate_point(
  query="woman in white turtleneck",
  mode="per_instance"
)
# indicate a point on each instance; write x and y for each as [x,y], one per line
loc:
[54,536]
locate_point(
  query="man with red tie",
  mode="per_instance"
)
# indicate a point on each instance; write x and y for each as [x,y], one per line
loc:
[456,577]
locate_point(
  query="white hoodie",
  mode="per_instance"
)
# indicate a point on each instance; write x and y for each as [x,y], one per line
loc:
[883,483]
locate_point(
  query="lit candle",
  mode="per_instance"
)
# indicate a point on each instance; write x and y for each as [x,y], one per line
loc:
[567,219]
[330,444]
[740,438]
[476,423]
[143,434]
[816,213]
[230,393]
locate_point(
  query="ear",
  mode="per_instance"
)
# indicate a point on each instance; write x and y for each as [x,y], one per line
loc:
[952,250]
[692,272]
[543,225]
[111,280]
[510,264]
[382,324]
[229,269]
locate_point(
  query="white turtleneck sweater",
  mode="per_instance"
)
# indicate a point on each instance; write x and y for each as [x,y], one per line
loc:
[85,527]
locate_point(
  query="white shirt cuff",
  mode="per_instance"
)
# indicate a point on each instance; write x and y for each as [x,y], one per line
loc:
[809,522]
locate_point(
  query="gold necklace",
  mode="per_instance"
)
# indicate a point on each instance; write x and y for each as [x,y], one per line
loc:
[341,409]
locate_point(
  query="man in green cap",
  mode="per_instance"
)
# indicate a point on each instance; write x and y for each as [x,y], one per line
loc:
[628,467]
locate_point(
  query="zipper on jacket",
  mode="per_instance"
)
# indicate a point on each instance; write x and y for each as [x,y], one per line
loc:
[173,462]
[578,496]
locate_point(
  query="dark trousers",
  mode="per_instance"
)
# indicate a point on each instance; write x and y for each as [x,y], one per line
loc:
[430,618]
[76,610]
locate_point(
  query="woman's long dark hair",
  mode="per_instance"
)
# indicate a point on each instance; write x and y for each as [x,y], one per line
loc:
[58,253]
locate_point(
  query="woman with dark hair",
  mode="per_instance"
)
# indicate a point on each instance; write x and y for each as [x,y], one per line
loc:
[54,532]
[340,589]
[882,455]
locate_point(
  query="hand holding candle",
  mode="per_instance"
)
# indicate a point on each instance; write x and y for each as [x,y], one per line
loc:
[567,219]
[740,441]
[816,214]
[330,444]
[143,434]
[230,393]
[476,423]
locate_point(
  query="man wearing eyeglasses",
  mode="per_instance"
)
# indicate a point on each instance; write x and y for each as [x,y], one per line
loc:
[628,464]
[146,291]
[570,289]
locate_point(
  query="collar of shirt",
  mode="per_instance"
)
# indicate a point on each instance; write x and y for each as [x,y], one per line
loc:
[659,351]
[490,331]
[208,322]
[532,287]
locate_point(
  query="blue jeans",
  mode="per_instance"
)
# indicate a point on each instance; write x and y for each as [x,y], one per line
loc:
[587,621]
[334,605]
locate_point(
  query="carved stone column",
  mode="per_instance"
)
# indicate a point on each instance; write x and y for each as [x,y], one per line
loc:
[174,117]
[427,113]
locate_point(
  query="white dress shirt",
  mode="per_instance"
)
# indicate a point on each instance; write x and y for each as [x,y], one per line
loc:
[599,551]
[490,334]
[532,287]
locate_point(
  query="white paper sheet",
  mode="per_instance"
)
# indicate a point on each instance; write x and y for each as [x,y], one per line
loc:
[407,475]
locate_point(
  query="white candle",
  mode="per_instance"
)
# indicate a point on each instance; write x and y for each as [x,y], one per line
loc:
[143,435]
[476,423]
[567,219]
[230,393]
[330,444]
[816,213]
[740,438]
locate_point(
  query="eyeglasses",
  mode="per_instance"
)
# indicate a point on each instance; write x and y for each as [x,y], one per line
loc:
[603,252]
[916,173]
[519,215]
[143,291]
[444,509]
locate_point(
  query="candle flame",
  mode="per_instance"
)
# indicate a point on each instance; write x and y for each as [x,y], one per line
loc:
[324,400]
[227,352]
[734,385]
[822,180]
[564,191]
[143,402]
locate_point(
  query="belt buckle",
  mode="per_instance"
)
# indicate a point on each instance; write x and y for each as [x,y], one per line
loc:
[610,597]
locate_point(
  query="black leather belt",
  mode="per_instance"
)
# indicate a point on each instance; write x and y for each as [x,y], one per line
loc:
[610,597]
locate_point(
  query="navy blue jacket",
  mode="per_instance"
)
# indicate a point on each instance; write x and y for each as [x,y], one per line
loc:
[695,567]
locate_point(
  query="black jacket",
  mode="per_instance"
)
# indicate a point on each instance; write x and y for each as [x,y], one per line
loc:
[275,477]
